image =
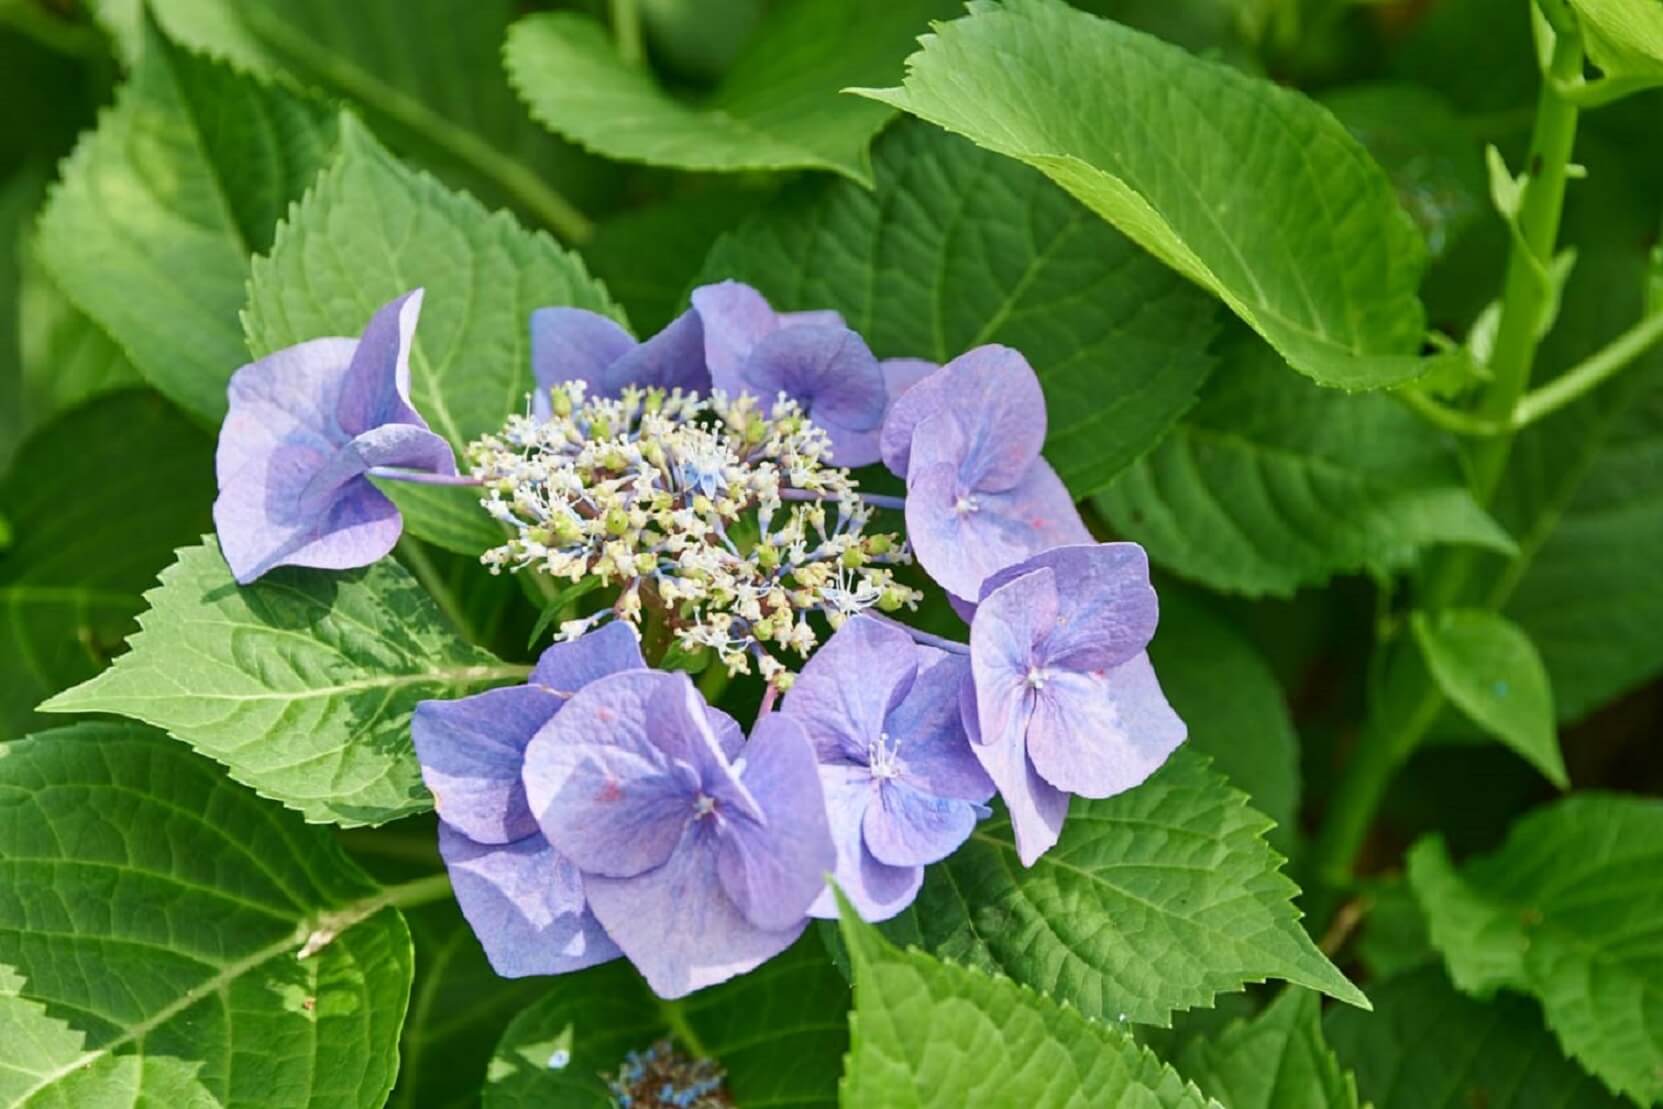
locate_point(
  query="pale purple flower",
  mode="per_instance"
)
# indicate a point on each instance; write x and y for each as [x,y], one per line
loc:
[979,496]
[811,357]
[523,899]
[902,786]
[700,858]
[571,344]
[1064,699]
[305,427]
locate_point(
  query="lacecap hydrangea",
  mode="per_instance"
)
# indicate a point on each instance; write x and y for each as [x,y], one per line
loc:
[698,498]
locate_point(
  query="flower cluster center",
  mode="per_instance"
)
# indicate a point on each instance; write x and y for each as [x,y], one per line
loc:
[720,519]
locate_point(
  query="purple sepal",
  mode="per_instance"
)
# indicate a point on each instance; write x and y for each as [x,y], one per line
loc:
[573,344]
[902,786]
[304,424]
[525,904]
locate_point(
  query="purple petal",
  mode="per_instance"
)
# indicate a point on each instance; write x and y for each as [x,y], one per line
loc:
[829,371]
[1009,623]
[993,400]
[262,526]
[935,755]
[909,828]
[1112,609]
[1036,808]
[569,666]
[526,905]
[278,440]
[605,794]
[1098,734]
[963,536]
[735,318]
[376,387]
[571,344]
[682,729]
[901,374]
[672,359]
[876,890]
[678,926]
[471,750]
[407,447]
[774,869]
[849,686]
[814,317]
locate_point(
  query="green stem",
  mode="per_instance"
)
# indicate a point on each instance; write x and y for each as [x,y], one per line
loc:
[1525,293]
[626,25]
[1590,373]
[415,556]
[419,891]
[1407,702]
[675,1018]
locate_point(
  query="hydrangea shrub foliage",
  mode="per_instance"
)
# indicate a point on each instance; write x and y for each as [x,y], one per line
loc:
[799,553]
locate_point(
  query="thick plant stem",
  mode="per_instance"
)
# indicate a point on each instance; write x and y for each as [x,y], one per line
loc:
[1407,701]
[626,28]
[1526,293]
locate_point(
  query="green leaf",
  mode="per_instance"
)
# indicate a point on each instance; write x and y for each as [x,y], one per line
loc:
[1270,484]
[780,1033]
[302,684]
[373,229]
[72,578]
[1277,1060]
[1624,37]
[1393,936]
[1489,668]
[448,515]
[459,1008]
[1427,1047]
[930,1033]
[1226,693]
[1425,148]
[66,358]
[1248,189]
[1589,595]
[1153,900]
[778,107]
[442,97]
[956,247]
[152,922]
[151,228]
[1569,910]
[648,256]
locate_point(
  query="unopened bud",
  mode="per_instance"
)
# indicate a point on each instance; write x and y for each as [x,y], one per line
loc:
[853,558]
[617,521]
[879,544]
[891,599]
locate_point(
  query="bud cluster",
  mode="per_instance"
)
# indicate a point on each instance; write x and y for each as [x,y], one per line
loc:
[719,518]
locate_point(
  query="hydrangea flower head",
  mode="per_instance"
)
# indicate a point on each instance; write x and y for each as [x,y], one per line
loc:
[523,899]
[979,497]
[902,786]
[306,427]
[572,344]
[648,490]
[700,856]
[810,357]
[1064,699]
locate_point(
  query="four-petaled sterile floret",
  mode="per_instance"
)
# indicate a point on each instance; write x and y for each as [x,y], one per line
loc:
[718,517]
